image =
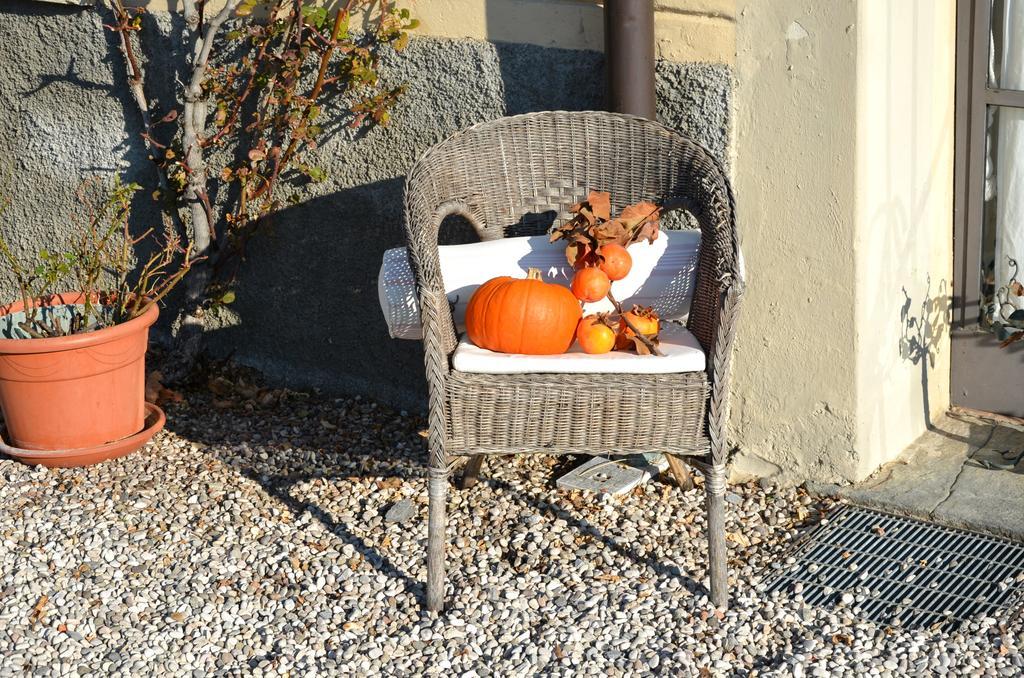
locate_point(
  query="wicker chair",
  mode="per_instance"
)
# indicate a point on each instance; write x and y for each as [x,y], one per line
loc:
[516,176]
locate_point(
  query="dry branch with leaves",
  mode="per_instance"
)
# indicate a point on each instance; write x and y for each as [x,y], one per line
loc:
[102,263]
[261,87]
[591,228]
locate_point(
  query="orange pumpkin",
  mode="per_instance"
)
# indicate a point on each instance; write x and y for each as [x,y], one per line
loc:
[616,261]
[515,315]
[595,336]
[590,284]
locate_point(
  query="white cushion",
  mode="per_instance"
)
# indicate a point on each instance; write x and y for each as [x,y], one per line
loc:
[662,276]
[682,354]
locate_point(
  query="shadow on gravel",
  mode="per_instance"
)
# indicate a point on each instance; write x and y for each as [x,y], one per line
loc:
[297,437]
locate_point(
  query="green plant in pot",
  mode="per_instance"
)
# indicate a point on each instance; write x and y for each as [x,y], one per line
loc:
[73,345]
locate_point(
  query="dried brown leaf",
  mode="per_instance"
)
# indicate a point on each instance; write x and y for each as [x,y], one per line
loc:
[220,386]
[389,483]
[601,204]
[738,538]
[575,253]
[639,346]
[1012,339]
[641,221]
[612,231]
[38,610]
[247,391]
[153,386]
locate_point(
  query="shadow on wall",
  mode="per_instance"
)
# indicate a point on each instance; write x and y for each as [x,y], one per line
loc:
[66,117]
[307,303]
[307,312]
[922,336]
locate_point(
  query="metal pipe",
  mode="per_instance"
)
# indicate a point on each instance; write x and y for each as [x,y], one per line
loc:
[629,56]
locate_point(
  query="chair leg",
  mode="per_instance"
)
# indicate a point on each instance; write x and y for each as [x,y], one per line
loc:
[471,472]
[714,484]
[682,475]
[436,537]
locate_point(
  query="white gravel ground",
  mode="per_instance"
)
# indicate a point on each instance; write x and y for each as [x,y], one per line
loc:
[251,539]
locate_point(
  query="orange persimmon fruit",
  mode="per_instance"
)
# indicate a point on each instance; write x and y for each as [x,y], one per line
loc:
[616,261]
[590,284]
[595,336]
[644,320]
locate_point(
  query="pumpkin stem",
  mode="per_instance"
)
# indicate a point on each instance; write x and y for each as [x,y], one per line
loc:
[534,274]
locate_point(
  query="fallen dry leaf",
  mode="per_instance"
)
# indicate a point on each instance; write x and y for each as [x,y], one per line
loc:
[153,386]
[738,538]
[38,610]
[388,483]
[220,386]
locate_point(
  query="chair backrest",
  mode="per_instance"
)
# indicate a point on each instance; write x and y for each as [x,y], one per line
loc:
[518,175]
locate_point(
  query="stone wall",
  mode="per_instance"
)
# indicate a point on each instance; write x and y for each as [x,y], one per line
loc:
[306,313]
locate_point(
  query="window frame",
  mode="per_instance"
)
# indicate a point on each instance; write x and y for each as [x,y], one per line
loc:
[973,97]
[983,376]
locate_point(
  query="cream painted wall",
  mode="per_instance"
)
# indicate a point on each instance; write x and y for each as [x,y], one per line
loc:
[844,157]
[685,30]
[794,409]
[905,82]
[843,160]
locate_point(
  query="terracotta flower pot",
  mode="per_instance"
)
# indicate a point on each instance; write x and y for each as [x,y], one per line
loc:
[79,391]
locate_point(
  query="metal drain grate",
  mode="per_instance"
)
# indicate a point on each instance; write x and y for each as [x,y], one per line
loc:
[904,572]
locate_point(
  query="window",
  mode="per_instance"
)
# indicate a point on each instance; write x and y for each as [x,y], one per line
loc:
[990,162]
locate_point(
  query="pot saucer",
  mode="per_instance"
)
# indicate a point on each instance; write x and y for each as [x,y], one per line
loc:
[85,456]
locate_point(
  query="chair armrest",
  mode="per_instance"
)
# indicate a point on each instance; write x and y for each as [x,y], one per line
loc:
[422,229]
[422,224]
[719,287]
[718,367]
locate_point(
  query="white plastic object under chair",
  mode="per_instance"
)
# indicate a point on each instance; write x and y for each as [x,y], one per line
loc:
[662,276]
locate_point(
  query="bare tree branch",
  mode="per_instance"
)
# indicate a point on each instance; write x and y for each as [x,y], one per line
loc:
[136,81]
[194,118]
